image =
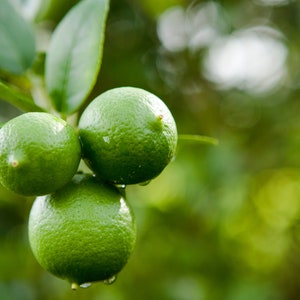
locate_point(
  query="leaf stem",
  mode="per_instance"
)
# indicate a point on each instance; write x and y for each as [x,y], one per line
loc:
[18,98]
[198,139]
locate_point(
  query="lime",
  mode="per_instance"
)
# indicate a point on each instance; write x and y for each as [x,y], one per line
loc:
[39,153]
[84,232]
[128,135]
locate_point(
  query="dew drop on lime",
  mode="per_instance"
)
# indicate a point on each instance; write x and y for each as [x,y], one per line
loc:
[85,285]
[121,186]
[110,280]
[145,183]
[74,286]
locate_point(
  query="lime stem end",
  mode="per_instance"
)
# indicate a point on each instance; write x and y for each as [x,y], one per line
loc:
[14,163]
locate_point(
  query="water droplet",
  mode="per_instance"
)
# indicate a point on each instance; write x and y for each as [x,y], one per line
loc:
[110,280]
[85,285]
[74,286]
[145,183]
[106,139]
[121,186]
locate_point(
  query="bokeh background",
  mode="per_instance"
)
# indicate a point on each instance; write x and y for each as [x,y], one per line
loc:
[221,222]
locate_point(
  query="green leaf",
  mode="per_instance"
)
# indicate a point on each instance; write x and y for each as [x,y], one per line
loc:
[18,98]
[17,43]
[198,139]
[75,54]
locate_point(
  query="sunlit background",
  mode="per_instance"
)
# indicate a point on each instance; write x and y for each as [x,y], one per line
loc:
[221,222]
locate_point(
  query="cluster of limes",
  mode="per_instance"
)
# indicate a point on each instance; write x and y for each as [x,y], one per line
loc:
[81,227]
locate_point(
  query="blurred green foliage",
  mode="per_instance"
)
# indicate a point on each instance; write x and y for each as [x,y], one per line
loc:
[220,222]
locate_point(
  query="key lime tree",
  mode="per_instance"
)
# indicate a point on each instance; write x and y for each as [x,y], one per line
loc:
[81,226]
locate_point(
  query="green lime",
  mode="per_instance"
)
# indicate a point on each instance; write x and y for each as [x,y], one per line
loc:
[39,153]
[84,232]
[128,135]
